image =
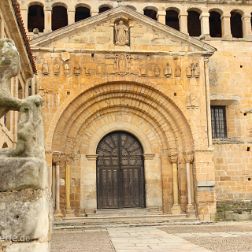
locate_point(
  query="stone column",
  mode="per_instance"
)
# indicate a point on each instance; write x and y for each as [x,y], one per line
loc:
[166,182]
[189,180]
[176,209]
[69,211]
[204,18]
[246,22]
[162,17]
[56,160]
[94,12]
[71,16]
[183,22]
[225,24]
[48,19]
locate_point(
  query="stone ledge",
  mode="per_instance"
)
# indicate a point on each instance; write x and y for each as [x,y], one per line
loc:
[27,247]
[21,173]
[24,215]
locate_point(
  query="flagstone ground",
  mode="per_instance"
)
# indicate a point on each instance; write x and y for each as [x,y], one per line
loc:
[219,237]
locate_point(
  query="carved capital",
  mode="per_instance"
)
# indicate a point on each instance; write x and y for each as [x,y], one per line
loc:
[173,157]
[189,157]
[57,157]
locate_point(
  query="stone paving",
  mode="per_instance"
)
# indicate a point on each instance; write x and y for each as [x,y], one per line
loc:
[220,237]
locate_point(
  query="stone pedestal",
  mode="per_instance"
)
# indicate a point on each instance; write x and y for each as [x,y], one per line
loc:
[24,205]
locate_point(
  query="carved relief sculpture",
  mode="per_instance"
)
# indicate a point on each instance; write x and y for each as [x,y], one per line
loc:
[45,68]
[56,67]
[121,33]
[167,71]
[189,71]
[196,70]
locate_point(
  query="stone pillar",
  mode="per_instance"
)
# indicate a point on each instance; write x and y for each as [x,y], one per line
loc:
[176,209]
[56,160]
[162,17]
[166,182]
[71,16]
[48,19]
[246,22]
[205,30]
[94,12]
[183,22]
[69,211]
[189,180]
[225,24]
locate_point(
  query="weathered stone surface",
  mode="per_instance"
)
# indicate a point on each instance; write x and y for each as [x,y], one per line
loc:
[21,173]
[28,247]
[24,215]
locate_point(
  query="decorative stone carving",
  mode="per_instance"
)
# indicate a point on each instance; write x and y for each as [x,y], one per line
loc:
[122,64]
[45,68]
[121,33]
[77,69]
[177,71]
[189,71]
[192,101]
[30,137]
[167,71]
[9,67]
[67,68]
[196,70]
[56,67]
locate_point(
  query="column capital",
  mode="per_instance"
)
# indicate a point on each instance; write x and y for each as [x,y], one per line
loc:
[173,157]
[226,15]
[189,157]
[56,156]
[204,14]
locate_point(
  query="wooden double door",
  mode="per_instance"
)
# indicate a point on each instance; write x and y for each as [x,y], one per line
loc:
[120,172]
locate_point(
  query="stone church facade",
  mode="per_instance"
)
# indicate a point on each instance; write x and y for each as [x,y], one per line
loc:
[145,113]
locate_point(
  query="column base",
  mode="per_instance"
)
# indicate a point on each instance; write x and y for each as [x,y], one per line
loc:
[190,210]
[58,214]
[176,209]
[70,212]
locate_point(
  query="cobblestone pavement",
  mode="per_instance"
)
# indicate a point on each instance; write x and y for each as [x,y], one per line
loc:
[224,237]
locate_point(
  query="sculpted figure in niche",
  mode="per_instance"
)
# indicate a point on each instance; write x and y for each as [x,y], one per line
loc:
[167,71]
[9,67]
[56,67]
[121,34]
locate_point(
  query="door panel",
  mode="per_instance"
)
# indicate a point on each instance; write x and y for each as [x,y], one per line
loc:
[120,172]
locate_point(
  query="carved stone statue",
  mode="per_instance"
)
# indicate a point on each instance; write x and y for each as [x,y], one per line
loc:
[9,67]
[24,189]
[30,137]
[121,34]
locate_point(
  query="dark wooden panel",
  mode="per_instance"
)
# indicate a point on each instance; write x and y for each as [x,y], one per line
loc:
[120,172]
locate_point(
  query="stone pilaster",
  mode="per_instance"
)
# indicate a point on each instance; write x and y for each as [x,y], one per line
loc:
[71,16]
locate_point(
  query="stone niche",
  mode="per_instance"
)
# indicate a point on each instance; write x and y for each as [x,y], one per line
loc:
[24,194]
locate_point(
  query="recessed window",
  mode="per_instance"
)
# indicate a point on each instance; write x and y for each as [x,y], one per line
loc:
[36,18]
[172,19]
[218,119]
[215,24]
[82,13]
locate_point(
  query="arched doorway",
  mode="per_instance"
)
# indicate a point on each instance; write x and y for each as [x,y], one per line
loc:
[120,172]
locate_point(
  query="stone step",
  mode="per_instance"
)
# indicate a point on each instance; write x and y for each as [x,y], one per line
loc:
[105,221]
